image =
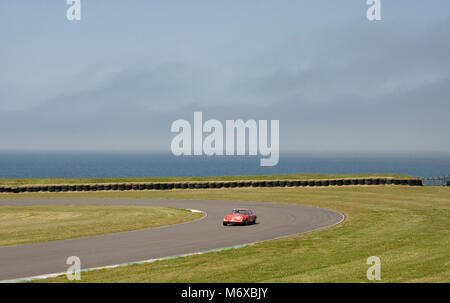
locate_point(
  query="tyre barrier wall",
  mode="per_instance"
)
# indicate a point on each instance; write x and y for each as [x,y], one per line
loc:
[216,184]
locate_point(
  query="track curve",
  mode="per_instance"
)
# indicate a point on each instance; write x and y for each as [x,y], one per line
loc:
[275,220]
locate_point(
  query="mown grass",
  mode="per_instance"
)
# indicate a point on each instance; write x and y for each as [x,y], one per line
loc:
[21,182]
[407,227]
[30,224]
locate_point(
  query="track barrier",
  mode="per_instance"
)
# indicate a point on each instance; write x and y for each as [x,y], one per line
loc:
[217,185]
[436,181]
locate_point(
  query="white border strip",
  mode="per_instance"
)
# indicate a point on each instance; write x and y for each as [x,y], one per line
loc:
[196,210]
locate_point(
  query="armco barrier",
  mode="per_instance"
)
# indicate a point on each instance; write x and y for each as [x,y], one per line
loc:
[213,185]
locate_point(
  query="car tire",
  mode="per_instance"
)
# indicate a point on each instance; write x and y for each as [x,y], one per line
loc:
[224,224]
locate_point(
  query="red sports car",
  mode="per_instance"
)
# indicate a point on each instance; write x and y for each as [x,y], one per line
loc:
[240,216]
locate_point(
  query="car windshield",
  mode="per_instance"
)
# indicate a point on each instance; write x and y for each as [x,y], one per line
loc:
[240,211]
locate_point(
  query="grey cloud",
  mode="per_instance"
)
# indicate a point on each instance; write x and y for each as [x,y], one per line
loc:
[362,64]
[339,92]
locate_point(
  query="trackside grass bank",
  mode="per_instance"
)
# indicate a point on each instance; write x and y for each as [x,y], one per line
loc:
[30,224]
[21,182]
[408,228]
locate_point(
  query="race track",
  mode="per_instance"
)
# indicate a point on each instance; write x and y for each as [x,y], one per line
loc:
[274,220]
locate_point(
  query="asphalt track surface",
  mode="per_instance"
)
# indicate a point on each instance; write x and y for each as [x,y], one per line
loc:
[274,220]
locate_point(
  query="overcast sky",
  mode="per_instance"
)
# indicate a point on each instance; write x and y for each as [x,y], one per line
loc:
[118,78]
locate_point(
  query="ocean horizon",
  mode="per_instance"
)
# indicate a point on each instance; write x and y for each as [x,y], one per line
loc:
[18,165]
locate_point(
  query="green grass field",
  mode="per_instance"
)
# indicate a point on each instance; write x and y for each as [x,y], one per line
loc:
[407,227]
[20,182]
[30,224]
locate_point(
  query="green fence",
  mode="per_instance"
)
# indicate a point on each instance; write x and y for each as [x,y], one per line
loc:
[436,181]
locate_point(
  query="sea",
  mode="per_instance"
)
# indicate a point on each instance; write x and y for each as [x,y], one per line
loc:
[138,164]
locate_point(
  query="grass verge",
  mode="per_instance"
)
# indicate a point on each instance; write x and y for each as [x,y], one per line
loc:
[30,224]
[407,227]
